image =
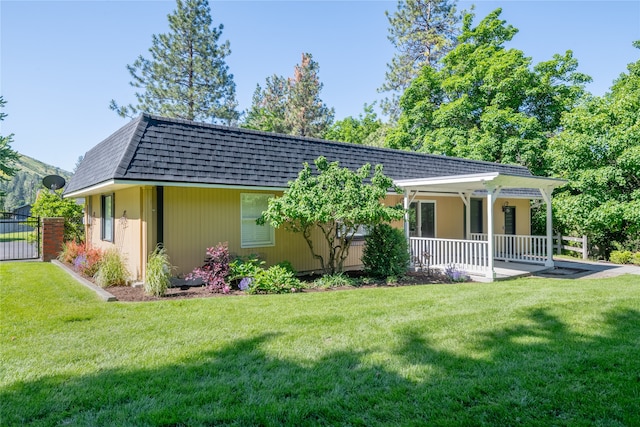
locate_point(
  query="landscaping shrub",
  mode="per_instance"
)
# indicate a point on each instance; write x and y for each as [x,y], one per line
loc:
[386,252]
[158,273]
[112,270]
[334,281]
[84,260]
[287,266]
[275,280]
[620,257]
[635,259]
[70,250]
[215,270]
[245,267]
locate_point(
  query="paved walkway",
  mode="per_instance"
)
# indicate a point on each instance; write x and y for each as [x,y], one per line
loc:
[578,269]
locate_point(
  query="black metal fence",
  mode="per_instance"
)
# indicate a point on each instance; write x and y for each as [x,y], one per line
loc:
[19,236]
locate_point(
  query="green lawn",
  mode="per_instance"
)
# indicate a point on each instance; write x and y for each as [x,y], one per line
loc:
[526,352]
[15,236]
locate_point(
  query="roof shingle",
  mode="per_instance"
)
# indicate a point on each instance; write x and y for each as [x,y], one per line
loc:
[152,148]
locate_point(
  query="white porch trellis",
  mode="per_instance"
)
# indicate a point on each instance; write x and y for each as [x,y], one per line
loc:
[478,252]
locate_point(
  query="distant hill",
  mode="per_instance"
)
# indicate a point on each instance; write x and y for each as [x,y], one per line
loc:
[22,188]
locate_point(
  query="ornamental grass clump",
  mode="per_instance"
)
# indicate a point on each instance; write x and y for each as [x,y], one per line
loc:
[112,270]
[157,277]
[215,270]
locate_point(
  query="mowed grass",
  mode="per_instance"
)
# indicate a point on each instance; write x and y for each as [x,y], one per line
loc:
[526,352]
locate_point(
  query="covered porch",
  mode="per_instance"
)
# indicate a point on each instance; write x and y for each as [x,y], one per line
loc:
[479,253]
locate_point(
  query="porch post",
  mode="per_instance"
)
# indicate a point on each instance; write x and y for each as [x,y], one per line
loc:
[492,195]
[546,195]
[466,198]
[406,223]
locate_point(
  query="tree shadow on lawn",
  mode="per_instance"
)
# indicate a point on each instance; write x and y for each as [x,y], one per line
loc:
[535,373]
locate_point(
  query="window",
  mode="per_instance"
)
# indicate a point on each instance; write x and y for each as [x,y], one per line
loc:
[253,235]
[107,211]
[476,217]
[422,219]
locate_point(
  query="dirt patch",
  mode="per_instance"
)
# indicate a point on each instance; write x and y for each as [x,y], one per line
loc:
[130,293]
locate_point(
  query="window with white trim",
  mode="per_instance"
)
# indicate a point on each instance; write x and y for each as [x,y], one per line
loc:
[107,213]
[253,235]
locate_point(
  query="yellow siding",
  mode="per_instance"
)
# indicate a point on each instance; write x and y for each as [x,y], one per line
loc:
[197,218]
[127,228]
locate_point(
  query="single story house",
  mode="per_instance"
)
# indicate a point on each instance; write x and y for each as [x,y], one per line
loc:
[191,185]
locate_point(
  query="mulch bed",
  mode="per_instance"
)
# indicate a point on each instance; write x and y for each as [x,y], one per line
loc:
[129,293]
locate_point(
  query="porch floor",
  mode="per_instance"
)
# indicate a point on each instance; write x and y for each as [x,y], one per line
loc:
[508,270]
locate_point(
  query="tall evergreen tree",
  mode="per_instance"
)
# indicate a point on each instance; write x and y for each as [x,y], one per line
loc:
[8,156]
[187,76]
[292,106]
[423,32]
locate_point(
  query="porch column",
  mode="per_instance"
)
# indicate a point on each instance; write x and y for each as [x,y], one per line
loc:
[546,195]
[406,204]
[492,195]
[466,199]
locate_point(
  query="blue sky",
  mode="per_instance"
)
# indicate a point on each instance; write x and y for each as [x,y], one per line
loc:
[61,62]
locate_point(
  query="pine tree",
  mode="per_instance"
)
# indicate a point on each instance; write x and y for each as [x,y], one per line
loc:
[187,76]
[423,32]
[292,106]
[8,156]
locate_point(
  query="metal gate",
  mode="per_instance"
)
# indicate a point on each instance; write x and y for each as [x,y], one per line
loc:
[19,236]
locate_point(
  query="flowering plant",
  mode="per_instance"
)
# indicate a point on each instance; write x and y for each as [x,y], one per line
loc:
[215,270]
[454,274]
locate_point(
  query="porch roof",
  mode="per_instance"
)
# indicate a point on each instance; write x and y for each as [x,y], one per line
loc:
[478,184]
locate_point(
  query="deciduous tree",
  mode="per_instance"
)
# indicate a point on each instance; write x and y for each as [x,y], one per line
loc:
[355,130]
[336,201]
[187,76]
[598,151]
[488,102]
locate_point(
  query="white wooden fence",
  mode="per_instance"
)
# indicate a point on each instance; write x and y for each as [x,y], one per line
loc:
[584,249]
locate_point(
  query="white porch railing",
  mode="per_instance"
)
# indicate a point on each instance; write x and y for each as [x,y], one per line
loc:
[467,255]
[510,247]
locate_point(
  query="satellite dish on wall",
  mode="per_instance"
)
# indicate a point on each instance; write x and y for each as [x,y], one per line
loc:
[53,182]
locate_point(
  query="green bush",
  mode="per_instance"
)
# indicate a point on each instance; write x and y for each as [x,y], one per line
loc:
[620,257]
[334,281]
[112,270]
[275,280]
[158,273]
[635,259]
[245,267]
[386,252]
[287,266]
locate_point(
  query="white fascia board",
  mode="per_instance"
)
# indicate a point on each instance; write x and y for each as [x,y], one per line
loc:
[444,180]
[117,184]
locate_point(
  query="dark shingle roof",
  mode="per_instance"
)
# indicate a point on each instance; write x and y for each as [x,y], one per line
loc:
[152,148]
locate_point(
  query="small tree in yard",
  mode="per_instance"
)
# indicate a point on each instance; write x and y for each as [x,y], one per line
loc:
[337,201]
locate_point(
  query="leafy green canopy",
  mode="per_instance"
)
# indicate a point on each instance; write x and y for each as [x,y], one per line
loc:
[487,102]
[335,200]
[51,205]
[187,77]
[362,130]
[599,153]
